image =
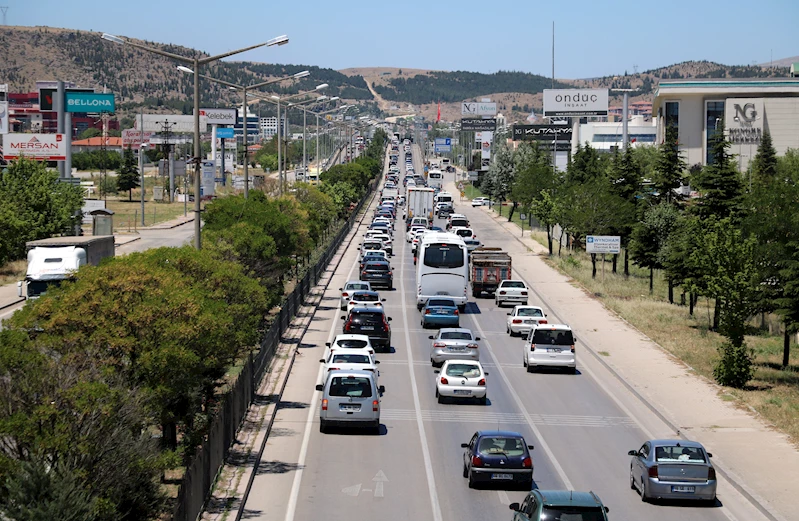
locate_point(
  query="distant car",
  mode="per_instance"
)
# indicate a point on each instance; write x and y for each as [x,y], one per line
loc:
[350,359]
[545,505]
[550,345]
[370,321]
[673,469]
[480,201]
[498,456]
[461,379]
[453,344]
[444,209]
[374,255]
[511,291]
[522,319]
[378,273]
[364,298]
[416,227]
[440,312]
[349,341]
[349,287]
[472,243]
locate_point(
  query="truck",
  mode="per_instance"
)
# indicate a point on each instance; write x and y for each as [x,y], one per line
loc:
[391,192]
[487,268]
[420,202]
[54,260]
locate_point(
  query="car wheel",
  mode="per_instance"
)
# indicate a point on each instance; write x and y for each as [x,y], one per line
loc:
[322,426]
[422,323]
[483,400]
[376,428]
[530,368]
[472,482]
[632,480]
[527,484]
[465,471]
[571,370]
[440,399]
[644,497]
[497,304]
[437,395]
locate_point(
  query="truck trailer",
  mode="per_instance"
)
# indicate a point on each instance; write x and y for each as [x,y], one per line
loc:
[487,268]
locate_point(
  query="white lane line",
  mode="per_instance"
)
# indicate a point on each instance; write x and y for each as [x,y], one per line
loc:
[428,465]
[306,436]
[503,497]
[541,442]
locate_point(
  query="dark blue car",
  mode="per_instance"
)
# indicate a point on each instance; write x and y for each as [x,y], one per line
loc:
[498,457]
[440,312]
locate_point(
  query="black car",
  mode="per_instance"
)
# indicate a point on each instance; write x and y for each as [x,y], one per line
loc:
[372,322]
[498,457]
[445,209]
[378,273]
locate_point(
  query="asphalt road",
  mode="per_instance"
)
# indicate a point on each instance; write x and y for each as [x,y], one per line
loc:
[581,425]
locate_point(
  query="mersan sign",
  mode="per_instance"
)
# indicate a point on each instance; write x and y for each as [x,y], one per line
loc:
[89,102]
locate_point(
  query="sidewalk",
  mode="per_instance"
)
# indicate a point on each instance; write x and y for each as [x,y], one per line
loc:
[759,462]
[8,292]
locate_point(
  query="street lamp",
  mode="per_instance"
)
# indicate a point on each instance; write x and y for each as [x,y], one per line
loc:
[304,125]
[196,63]
[244,89]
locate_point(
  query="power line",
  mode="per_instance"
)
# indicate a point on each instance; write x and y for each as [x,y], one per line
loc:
[4,10]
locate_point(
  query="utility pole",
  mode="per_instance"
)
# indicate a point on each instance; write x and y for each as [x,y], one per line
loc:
[4,10]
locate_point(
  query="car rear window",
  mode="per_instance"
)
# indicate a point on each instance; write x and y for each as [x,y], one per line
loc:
[441,302]
[352,343]
[351,359]
[676,454]
[367,318]
[376,266]
[455,335]
[357,286]
[501,445]
[465,370]
[464,233]
[557,513]
[365,297]
[553,337]
[372,245]
[355,386]
[530,312]
[459,222]
[513,284]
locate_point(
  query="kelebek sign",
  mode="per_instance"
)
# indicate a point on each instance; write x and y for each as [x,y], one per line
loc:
[219,116]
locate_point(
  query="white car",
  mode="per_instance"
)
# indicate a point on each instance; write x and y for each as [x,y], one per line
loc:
[412,232]
[550,345]
[461,379]
[350,287]
[511,291]
[344,359]
[462,232]
[522,319]
[480,201]
[364,298]
[349,341]
[385,238]
[370,245]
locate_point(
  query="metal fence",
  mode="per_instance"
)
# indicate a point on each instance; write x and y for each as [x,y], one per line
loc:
[210,456]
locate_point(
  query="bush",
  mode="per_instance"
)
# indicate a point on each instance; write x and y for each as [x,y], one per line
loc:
[735,367]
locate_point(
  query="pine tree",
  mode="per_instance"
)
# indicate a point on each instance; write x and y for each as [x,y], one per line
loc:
[764,166]
[669,169]
[719,183]
[128,175]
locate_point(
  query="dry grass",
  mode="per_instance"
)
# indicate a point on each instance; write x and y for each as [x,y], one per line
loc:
[773,393]
[13,271]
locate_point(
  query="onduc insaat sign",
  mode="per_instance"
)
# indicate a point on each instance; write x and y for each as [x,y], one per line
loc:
[575,102]
[602,244]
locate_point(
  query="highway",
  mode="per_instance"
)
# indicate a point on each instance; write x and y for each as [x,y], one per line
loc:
[581,425]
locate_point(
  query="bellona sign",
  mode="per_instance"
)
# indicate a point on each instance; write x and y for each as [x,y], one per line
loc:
[89,102]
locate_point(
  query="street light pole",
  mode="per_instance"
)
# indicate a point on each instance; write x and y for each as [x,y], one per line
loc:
[246,142]
[279,164]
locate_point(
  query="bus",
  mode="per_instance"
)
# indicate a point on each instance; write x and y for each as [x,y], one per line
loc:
[442,268]
[434,178]
[445,164]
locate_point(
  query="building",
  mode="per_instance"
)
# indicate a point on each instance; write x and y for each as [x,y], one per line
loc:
[743,108]
[268,127]
[607,135]
[112,144]
[634,108]
[25,116]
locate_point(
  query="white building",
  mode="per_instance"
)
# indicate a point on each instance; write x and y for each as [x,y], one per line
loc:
[252,127]
[746,107]
[268,127]
[607,135]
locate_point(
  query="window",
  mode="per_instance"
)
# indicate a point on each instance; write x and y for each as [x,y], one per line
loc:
[351,343]
[672,114]
[357,286]
[714,122]
[676,454]
[455,335]
[557,513]
[353,386]
[530,312]
[513,284]
[553,337]
[366,297]
[497,445]
[465,370]
[443,256]
[367,318]
[351,359]
[441,302]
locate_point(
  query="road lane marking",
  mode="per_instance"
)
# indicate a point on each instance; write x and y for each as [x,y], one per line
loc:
[503,497]
[548,420]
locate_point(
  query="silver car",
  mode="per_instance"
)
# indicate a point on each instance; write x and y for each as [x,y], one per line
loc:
[454,343]
[674,469]
[348,289]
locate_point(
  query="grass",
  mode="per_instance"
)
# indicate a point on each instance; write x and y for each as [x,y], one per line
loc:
[13,271]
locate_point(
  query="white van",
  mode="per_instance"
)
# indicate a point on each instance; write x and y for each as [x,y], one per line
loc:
[370,244]
[350,397]
[550,345]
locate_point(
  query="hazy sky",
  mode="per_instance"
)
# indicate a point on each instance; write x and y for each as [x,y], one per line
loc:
[592,38]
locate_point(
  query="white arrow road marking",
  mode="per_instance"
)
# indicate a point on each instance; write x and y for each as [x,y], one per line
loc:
[379,479]
[352,491]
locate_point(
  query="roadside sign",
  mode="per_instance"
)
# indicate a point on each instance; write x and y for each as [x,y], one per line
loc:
[602,244]
[463,194]
[43,147]
[89,102]
[460,186]
[225,133]
[47,97]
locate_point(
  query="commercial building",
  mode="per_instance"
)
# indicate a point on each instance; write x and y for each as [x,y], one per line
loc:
[743,108]
[268,127]
[25,115]
[607,135]
[253,127]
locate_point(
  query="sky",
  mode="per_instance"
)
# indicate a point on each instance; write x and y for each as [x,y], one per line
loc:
[592,38]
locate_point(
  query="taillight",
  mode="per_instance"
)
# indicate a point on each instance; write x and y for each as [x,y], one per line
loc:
[527,462]
[324,404]
[524,293]
[390,272]
[348,325]
[517,321]
[653,471]
[476,461]
[711,474]
[375,405]
[501,292]
[385,324]
[472,346]
[439,344]
[457,312]
[444,380]
[543,321]
[482,381]
[426,311]
[572,349]
[345,294]
[334,369]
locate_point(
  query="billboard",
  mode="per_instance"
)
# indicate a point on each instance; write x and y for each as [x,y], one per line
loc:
[47,95]
[46,147]
[225,133]
[602,244]
[170,122]
[575,102]
[132,137]
[542,132]
[3,117]
[219,116]
[88,102]
[477,124]
[208,171]
[469,108]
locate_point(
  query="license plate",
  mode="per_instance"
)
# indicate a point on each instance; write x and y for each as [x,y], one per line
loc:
[456,349]
[687,489]
[462,391]
[367,328]
[354,408]
[501,476]
[553,350]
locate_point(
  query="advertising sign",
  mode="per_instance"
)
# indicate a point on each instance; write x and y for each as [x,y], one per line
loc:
[477,124]
[132,137]
[47,96]
[170,122]
[542,132]
[478,109]
[602,244]
[46,147]
[3,117]
[485,150]
[439,149]
[208,180]
[88,102]
[225,133]
[575,102]
[219,116]
[743,118]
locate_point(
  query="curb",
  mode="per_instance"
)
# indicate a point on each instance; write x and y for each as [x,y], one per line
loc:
[14,303]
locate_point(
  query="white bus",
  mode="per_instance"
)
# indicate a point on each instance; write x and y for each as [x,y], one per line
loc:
[442,268]
[434,178]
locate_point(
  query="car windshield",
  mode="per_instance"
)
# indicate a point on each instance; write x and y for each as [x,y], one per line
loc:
[459,222]
[501,445]
[530,312]
[443,256]
[465,370]
[513,284]
[352,343]
[675,454]
[351,359]
[441,302]
[557,513]
[455,335]
[553,337]
[365,297]
[354,386]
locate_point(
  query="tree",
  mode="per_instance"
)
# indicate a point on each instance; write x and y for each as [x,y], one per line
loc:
[128,175]
[669,168]
[626,180]
[650,236]
[502,171]
[90,133]
[545,211]
[764,166]
[719,183]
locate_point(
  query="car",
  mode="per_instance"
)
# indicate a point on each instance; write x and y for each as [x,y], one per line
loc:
[401,200]
[461,379]
[522,319]
[673,469]
[550,345]
[472,243]
[463,233]
[545,505]
[370,245]
[440,312]
[382,225]
[511,291]
[370,321]
[378,273]
[364,298]
[374,255]
[349,287]
[453,343]
[416,227]
[388,244]
[444,209]
[457,220]
[496,457]
[349,341]
[480,201]
[348,359]
[350,398]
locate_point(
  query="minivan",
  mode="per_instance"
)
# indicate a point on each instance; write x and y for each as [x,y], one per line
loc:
[550,345]
[350,397]
[372,322]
